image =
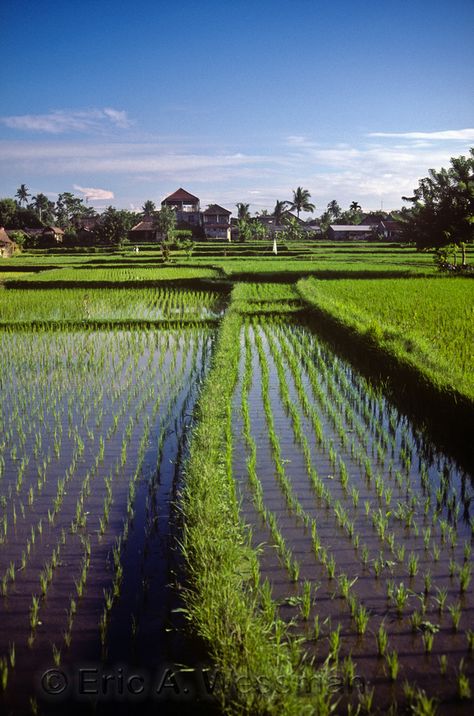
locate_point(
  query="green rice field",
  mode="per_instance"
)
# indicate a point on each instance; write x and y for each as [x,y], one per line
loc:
[194,476]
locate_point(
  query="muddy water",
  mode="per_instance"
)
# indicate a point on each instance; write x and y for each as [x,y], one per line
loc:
[63,394]
[407,476]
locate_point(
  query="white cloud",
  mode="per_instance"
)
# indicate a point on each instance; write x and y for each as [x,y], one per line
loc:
[465,135]
[94,194]
[62,120]
[368,169]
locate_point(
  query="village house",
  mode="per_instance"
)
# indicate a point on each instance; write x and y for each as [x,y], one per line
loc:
[144,231]
[213,223]
[187,208]
[350,232]
[217,222]
[7,246]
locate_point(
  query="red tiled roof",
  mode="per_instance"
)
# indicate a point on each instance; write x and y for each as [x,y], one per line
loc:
[181,195]
[216,209]
[145,225]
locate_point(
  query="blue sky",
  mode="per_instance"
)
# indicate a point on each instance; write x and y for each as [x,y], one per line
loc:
[244,101]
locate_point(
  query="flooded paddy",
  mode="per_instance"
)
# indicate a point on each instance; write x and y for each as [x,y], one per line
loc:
[365,530]
[92,427]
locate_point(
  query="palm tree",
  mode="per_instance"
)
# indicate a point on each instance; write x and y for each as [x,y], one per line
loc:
[22,194]
[149,208]
[43,207]
[355,207]
[334,209]
[301,201]
[279,210]
[243,211]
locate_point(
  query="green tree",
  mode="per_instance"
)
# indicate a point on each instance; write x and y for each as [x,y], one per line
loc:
[22,194]
[8,210]
[245,229]
[69,208]
[334,210]
[44,208]
[293,230]
[243,211]
[442,213]
[113,226]
[301,201]
[279,211]
[165,222]
[148,208]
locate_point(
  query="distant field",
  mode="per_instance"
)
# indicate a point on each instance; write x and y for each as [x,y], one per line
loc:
[234,260]
[428,323]
[122,275]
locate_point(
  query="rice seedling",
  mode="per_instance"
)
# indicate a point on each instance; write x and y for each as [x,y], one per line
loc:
[427,638]
[455,611]
[3,673]
[362,618]
[464,577]
[443,664]
[335,643]
[306,602]
[464,687]
[413,565]
[400,597]
[391,660]
[440,600]
[56,655]
[381,638]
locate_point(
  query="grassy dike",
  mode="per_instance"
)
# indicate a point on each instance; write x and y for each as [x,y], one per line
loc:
[420,375]
[261,667]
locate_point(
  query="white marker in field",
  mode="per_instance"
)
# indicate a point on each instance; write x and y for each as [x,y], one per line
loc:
[275,250]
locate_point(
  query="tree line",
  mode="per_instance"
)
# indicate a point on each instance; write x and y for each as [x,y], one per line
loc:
[439,215]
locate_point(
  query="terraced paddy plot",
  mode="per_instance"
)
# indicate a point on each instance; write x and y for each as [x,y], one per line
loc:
[74,304]
[122,275]
[365,530]
[92,424]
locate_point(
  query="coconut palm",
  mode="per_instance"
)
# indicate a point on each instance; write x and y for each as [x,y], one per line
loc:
[334,209]
[22,194]
[279,210]
[43,207]
[149,208]
[243,211]
[355,207]
[301,201]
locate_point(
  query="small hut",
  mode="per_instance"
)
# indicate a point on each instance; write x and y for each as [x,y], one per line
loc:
[7,246]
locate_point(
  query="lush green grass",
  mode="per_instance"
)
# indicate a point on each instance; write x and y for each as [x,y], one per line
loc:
[424,322]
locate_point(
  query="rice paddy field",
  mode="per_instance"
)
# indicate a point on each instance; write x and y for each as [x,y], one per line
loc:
[201,495]
[364,528]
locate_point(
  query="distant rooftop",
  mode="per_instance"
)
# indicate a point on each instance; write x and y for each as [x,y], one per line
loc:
[181,195]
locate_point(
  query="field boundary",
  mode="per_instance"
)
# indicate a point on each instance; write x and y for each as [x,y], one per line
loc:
[447,413]
[222,598]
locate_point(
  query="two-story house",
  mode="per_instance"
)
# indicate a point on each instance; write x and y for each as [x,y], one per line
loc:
[216,222]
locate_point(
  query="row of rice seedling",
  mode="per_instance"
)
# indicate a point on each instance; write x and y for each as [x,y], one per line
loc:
[380,533]
[81,419]
[73,304]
